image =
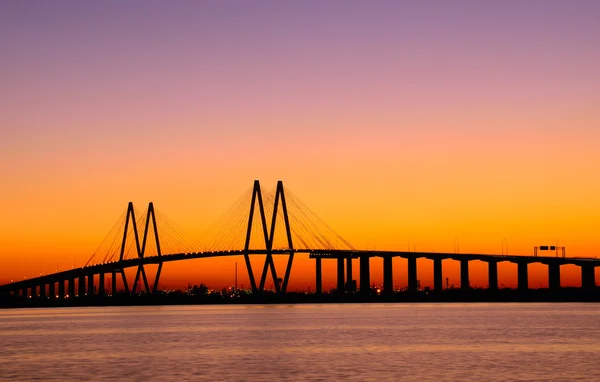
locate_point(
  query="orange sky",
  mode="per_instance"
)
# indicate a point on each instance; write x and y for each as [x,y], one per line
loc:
[394,123]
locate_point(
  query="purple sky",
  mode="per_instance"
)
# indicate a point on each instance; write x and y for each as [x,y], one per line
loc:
[439,112]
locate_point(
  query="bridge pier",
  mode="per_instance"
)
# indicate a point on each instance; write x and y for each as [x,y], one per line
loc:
[492,275]
[464,274]
[43,290]
[554,276]
[71,288]
[113,280]
[81,286]
[588,277]
[388,275]
[365,275]
[412,274]
[61,289]
[318,276]
[523,278]
[51,290]
[349,287]
[24,293]
[90,285]
[101,284]
[437,275]
[340,274]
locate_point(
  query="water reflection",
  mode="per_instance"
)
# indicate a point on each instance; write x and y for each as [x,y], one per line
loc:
[303,342]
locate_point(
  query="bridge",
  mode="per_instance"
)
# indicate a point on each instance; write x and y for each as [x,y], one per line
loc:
[233,235]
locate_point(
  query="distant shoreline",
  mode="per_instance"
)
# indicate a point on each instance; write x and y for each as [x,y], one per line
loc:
[447,296]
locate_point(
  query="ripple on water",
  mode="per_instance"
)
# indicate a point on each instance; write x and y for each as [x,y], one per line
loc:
[354,342]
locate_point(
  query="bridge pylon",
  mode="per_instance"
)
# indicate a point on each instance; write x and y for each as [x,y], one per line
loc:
[268,237]
[141,249]
[130,215]
[141,253]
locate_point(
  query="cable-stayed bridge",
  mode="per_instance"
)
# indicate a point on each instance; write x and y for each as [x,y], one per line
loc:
[271,223]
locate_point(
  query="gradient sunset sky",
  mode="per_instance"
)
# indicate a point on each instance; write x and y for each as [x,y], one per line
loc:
[399,123]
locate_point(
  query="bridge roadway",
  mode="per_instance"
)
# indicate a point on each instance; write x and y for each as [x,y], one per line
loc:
[587,268]
[27,287]
[113,267]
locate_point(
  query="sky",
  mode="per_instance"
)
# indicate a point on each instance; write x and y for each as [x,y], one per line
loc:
[423,125]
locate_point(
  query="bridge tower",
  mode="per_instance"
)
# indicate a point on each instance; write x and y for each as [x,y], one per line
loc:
[268,235]
[141,249]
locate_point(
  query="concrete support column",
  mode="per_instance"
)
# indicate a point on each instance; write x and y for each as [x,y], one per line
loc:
[90,285]
[113,280]
[71,288]
[43,290]
[438,281]
[340,274]
[101,284]
[588,277]
[554,276]
[412,274]
[492,275]
[365,275]
[464,274]
[81,286]
[61,289]
[523,278]
[318,276]
[388,275]
[25,293]
[349,274]
[51,290]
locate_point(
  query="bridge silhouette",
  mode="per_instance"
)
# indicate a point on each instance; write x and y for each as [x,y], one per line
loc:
[235,234]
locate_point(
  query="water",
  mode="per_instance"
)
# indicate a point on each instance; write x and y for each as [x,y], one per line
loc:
[353,342]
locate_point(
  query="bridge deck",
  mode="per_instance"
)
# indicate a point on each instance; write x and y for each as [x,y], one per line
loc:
[313,253]
[455,256]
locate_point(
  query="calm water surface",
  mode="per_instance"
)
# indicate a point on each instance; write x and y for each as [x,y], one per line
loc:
[354,342]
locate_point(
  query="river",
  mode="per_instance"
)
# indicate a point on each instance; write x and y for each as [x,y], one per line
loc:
[352,342]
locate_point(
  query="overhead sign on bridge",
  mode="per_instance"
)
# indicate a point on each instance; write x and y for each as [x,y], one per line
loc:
[549,248]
